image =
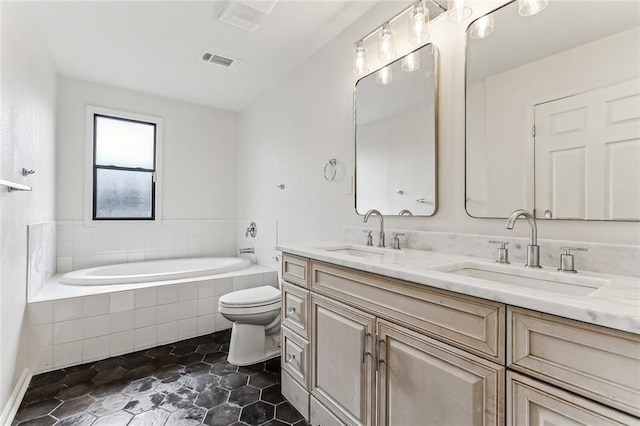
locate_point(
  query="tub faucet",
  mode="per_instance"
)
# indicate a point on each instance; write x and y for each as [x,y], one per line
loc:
[533,249]
[366,218]
[249,250]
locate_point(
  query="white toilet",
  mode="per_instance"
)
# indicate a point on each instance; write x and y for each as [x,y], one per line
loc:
[255,313]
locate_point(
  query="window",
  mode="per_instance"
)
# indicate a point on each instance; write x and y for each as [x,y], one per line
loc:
[124,168]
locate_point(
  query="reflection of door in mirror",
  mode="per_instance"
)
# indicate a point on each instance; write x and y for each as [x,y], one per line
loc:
[396,138]
[528,62]
[601,127]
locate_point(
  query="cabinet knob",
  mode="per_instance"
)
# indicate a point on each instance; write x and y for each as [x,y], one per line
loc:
[291,310]
[290,358]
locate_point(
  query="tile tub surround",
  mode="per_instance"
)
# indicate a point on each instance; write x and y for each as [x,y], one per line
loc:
[71,325]
[185,383]
[604,258]
[615,305]
[41,255]
[80,246]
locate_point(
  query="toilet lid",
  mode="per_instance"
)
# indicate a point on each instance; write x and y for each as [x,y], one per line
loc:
[256,296]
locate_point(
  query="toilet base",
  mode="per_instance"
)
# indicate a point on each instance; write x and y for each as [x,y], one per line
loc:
[249,345]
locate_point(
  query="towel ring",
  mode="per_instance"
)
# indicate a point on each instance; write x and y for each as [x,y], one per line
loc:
[331,163]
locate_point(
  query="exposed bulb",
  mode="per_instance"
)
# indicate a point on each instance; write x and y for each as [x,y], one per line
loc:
[385,43]
[384,76]
[418,21]
[531,7]
[411,62]
[482,28]
[360,60]
[458,10]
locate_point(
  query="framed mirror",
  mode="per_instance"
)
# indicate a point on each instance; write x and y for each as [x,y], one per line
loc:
[553,112]
[396,138]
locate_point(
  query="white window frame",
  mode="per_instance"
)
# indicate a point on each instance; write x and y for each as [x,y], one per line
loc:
[90,112]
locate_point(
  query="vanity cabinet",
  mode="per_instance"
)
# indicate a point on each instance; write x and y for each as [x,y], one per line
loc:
[596,362]
[373,350]
[389,352]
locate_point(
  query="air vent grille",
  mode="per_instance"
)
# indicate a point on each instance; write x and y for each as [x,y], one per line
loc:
[221,60]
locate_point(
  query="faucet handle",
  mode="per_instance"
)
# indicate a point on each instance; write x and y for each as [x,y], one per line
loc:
[502,254]
[369,237]
[566,258]
[396,240]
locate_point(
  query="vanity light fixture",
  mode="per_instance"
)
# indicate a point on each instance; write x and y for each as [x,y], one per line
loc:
[386,51]
[418,21]
[458,10]
[531,7]
[360,67]
[384,75]
[411,62]
[483,27]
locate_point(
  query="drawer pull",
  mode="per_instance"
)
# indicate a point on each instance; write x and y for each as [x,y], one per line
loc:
[290,358]
[291,310]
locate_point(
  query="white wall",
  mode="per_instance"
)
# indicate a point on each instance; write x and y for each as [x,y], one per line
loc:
[27,128]
[290,132]
[198,179]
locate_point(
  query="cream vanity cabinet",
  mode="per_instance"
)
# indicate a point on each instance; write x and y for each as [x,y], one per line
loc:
[388,352]
[595,371]
[364,349]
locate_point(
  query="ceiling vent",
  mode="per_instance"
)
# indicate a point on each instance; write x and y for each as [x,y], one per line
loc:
[246,14]
[223,61]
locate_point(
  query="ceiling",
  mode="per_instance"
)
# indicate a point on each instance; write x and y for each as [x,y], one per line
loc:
[155,46]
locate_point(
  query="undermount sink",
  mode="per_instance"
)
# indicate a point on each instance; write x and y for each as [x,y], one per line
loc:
[356,251]
[551,281]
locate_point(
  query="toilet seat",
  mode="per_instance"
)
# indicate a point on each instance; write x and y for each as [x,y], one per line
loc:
[265,296]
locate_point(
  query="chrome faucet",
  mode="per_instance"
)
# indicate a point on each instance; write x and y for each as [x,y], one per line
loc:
[366,218]
[533,249]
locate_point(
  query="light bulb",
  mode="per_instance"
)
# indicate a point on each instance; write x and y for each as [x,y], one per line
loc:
[384,76]
[418,21]
[385,43]
[360,59]
[531,7]
[411,62]
[482,28]
[458,10]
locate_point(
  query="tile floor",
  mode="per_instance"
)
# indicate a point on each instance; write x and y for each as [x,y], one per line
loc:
[184,383]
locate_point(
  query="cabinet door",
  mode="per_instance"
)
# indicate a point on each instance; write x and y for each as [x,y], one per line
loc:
[422,381]
[534,403]
[341,367]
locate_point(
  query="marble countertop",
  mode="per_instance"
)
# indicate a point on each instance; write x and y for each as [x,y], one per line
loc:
[614,301]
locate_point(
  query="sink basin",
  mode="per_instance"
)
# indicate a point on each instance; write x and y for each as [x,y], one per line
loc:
[548,280]
[356,251]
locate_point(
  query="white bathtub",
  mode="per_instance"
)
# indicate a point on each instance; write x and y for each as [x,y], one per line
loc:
[155,270]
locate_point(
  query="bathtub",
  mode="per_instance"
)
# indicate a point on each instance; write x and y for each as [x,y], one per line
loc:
[155,270]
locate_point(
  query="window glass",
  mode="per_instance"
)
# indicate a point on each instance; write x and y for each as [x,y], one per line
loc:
[124,167]
[124,143]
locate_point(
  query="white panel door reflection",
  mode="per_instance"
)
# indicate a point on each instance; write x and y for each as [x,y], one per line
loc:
[587,154]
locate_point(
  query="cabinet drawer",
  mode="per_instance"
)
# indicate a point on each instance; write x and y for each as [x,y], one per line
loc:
[295,270]
[593,361]
[533,403]
[320,416]
[472,324]
[295,312]
[295,357]
[296,395]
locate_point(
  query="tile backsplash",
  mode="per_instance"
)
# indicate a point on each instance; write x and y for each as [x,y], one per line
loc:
[79,246]
[604,258]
